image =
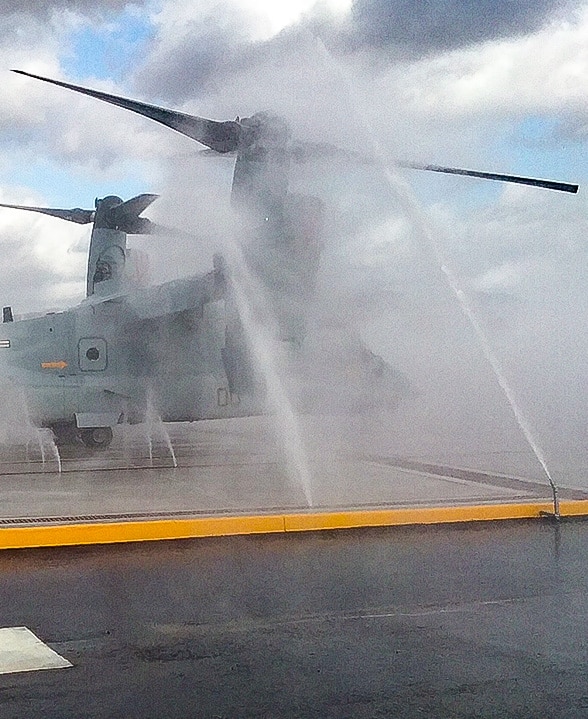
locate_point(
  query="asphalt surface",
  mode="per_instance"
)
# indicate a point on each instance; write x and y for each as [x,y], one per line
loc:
[486,620]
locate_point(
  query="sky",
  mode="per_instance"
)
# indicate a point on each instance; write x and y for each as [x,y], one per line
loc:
[497,85]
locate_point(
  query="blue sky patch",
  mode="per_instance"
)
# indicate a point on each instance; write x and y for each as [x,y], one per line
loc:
[63,187]
[110,50]
[538,149]
[531,147]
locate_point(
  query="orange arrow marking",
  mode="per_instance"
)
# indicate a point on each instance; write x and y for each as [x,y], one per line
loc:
[62,364]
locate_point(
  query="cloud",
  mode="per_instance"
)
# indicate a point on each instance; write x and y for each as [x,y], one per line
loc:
[413,29]
[195,54]
[43,8]
[46,270]
[541,72]
[193,50]
[196,47]
[522,227]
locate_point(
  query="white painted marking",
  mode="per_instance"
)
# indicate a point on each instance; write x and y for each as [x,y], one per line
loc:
[22,651]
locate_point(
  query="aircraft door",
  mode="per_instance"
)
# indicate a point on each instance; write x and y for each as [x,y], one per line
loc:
[92,354]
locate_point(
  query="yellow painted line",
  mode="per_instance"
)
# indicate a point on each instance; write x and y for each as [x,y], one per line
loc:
[420,515]
[153,530]
[573,508]
[109,533]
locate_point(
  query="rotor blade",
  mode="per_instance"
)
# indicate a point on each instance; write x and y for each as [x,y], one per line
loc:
[309,151]
[215,153]
[156,229]
[131,208]
[548,184]
[82,217]
[143,226]
[219,136]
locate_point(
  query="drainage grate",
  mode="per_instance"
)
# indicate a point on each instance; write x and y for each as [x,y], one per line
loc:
[81,518]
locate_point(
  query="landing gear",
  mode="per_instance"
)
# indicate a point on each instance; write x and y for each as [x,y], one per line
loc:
[92,437]
[96,437]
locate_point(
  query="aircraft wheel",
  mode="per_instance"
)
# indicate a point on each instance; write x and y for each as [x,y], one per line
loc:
[96,437]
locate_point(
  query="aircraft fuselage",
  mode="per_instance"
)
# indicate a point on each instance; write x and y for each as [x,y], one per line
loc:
[163,350]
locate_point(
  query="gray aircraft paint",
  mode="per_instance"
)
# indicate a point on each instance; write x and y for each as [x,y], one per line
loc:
[122,348]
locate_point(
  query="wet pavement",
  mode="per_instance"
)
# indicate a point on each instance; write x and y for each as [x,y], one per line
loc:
[483,620]
[478,620]
[240,466]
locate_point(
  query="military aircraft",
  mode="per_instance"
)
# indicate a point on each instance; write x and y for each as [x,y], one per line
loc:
[180,346]
[126,346]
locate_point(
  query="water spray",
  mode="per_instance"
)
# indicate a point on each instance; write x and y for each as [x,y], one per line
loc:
[258,326]
[410,205]
[415,212]
[152,420]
